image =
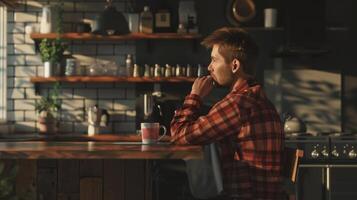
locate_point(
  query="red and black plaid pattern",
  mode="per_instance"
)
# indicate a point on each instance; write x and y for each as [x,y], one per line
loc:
[250,135]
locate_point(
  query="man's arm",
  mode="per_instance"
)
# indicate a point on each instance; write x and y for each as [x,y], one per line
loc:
[223,119]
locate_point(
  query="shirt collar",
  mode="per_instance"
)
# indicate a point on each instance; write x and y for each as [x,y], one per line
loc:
[242,85]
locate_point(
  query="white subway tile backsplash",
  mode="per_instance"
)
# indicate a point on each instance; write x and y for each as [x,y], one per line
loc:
[25,16]
[15,28]
[15,60]
[111,93]
[117,115]
[105,104]
[24,49]
[90,6]
[25,127]
[24,62]
[66,93]
[72,17]
[105,50]
[81,127]
[10,82]
[130,93]
[16,93]
[66,127]
[26,71]
[24,104]
[10,49]
[10,105]
[22,82]
[72,116]
[124,104]
[85,93]
[34,6]
[10,71]
[130,115]
[33,60]
[72,104]
[85,50]
[29,40]
[30,93]
[124,127]
[31,116]
[15,115]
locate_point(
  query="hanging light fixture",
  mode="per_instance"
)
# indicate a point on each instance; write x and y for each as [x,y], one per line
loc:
[110,22]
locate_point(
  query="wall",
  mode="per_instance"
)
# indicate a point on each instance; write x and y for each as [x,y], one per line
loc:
[24,62]
[120,99]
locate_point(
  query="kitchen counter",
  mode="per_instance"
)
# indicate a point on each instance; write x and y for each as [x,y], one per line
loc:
[94,147]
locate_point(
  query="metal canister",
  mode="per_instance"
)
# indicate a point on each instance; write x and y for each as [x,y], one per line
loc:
[168,71]
[70,67]
[157,70]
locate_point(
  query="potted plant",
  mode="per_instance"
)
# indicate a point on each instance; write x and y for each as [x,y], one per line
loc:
[48,108]
[51,53]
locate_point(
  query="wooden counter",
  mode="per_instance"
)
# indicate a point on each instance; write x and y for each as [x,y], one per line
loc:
[98,147]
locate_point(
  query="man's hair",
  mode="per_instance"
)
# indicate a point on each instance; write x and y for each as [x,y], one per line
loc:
[235,43]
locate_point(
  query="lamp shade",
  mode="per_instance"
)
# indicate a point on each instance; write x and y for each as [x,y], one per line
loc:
[111,22]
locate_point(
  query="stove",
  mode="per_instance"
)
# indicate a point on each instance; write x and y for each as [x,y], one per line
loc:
[328,170]
[332,148]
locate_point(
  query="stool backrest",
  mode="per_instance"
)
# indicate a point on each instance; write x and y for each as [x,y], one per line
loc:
[291,159]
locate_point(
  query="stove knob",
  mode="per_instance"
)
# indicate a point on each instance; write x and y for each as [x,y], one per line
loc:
[324,153]
[335,154]
[315,154]
[352,154]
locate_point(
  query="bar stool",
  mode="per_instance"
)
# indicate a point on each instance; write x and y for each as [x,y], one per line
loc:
[291,160]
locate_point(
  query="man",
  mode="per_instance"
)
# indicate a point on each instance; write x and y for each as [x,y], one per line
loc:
[244,123]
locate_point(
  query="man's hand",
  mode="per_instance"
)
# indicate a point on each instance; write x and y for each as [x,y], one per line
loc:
[202,86]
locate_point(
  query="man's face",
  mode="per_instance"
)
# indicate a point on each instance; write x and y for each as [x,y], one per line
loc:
[220,71]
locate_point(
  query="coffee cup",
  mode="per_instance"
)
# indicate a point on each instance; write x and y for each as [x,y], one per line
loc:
[150,132]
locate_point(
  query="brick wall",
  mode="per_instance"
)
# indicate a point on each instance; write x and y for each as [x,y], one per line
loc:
[24,62]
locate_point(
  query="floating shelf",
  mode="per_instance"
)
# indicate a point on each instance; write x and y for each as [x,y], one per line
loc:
[97,79]
[131,36]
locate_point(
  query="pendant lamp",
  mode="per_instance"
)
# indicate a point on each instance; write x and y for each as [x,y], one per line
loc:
[110,22]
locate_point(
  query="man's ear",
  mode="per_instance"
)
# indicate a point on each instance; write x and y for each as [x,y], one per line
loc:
[235,65]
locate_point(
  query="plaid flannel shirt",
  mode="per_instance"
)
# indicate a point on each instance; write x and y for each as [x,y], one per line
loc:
[249,133]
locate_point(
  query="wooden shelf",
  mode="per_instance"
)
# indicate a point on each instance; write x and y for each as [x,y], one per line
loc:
[106,79]
[132,36]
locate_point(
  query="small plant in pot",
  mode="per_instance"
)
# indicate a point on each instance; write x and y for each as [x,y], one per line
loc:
[51,52]
[48,108]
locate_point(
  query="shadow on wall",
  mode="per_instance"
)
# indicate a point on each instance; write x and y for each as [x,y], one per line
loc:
[314,96]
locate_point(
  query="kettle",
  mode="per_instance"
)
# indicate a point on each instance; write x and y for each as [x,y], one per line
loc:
[45,25]
[97,119]
[293,124]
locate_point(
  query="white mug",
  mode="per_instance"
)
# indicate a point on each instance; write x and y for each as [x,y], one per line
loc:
[150,132]
[270,17]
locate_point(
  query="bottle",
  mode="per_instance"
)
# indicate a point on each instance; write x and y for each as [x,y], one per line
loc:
[137,70]
[147,72]
[178,70]
[163,19]
[157,70]
[189,71]
[146,21]
[168,71]
[129,65]
[200,70]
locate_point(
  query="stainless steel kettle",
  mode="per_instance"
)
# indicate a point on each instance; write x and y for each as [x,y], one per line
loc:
[293,124]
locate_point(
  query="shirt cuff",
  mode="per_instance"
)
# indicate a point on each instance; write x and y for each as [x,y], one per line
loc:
[193,100]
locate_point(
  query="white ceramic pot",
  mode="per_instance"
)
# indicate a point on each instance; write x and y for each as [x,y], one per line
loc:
[51,69]
[47,69]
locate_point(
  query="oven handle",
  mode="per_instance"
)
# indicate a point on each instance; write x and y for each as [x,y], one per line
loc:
[329,166]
